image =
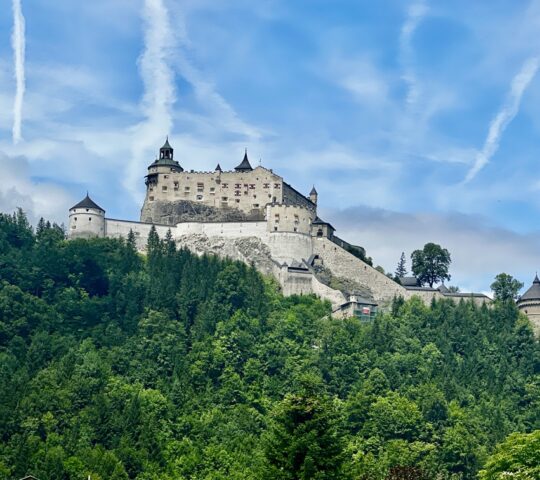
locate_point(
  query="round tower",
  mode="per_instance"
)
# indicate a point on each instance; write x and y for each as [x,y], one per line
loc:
[86,219]
[529,304]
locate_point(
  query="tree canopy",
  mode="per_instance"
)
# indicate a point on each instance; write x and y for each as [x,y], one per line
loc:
[431,264]
[173,366]
[506,288]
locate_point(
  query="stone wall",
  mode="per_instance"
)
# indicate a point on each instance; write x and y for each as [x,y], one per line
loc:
[343,264]
[248,192]
[177,211]
[289,218]
[121,228]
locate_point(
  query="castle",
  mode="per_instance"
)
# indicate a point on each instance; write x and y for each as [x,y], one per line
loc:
[253,215]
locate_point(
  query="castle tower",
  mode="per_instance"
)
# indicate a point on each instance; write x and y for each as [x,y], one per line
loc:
[529,304]
[86,219]
[313,195]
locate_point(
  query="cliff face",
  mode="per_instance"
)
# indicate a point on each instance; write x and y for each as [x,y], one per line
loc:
[171,213]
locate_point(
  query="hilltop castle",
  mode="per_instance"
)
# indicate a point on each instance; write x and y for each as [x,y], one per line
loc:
[253,215]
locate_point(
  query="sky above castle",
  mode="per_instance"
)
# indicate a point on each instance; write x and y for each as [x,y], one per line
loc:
[417,121]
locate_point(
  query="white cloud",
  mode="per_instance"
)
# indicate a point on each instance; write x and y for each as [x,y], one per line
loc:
[37,199]
[479,249]
[18,44]
[159,90]
[415,14]
[503,118]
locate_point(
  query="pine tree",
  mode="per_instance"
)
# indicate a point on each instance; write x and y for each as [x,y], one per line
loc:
[401,270]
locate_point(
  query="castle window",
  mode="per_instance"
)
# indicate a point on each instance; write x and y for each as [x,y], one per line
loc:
[151,189]
[237,185]
[75,226]
[212,189]
[75,218]
[225,185]
[277,185]
[275,229]
[87,210]
[199,197]
[255,205]
[186,189]
[237,193]
[254,196]
[165,176]
[237,200]
[266,185]
[295,229]
[89,219]
[164,188]
[252,186]
[224,198]
[151,199]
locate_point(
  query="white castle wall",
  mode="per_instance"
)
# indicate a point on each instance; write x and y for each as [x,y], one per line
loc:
[284,246]
[287,246]
[121,228]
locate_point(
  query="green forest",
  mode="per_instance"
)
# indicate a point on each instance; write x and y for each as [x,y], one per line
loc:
[116,365]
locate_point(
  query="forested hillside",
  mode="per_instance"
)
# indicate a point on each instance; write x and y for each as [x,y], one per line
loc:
[172,366]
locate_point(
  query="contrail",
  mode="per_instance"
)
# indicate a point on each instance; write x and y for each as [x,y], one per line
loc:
[18,44]
[417,11]
[159,87]
[510,109]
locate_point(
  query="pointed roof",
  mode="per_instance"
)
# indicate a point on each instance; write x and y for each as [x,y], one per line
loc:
[218,168]
[313,191]
[87,202]
[443,289]
[244,166]
[534,292]
[166,145]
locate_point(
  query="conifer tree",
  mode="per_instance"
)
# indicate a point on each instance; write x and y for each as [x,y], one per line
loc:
[401,270]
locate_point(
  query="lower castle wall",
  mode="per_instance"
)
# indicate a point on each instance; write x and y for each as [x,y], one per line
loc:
[286,246]
[345,265]
[121,228]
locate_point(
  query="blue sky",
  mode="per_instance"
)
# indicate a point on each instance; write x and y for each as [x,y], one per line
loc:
[417,121]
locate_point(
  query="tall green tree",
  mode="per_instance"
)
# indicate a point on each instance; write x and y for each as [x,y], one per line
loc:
[303,441]
[506,288]
[431,264]
[401,269]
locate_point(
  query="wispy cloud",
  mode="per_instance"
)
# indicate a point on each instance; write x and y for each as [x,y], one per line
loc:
[159,88]
[510,109]
[18,44]
[415,14]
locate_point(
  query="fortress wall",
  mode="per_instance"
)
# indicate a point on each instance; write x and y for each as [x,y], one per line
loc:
[288,246]
[425,295]
[121,228]
[344,265]
[225,229]
[295,282]
[289,218]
